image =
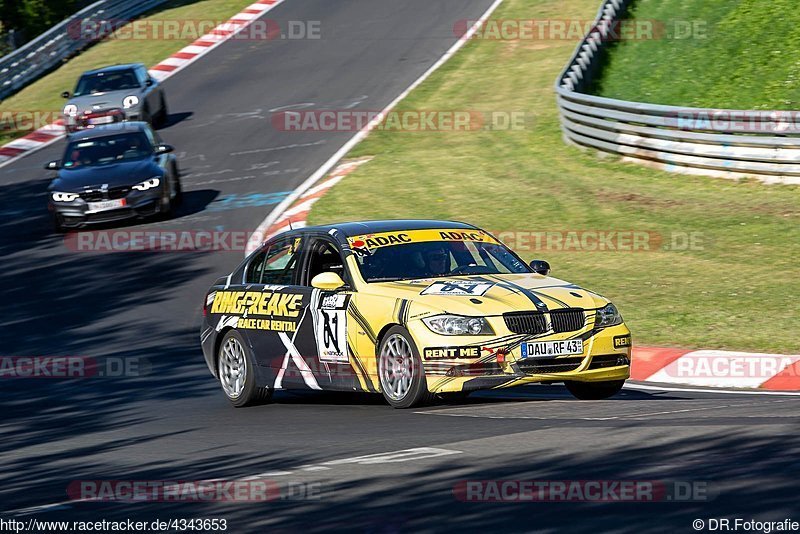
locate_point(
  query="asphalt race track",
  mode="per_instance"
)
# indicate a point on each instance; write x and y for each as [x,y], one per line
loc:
[172,423]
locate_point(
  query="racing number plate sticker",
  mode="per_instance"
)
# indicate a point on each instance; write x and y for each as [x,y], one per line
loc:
[544,349]
[106,205]
[331,329]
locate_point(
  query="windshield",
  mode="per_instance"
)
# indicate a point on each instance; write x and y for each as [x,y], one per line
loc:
[432,254]
[105,150]
[104,82]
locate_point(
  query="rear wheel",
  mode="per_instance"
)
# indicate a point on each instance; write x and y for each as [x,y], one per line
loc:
[236,371]
[594,390]
[400,370]
[163,114]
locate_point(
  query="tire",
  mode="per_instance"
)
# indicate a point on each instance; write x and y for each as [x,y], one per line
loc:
[163,114]
[178,187]
[594,390]
[400,371]
[234,358]
[165,202]
[146,117]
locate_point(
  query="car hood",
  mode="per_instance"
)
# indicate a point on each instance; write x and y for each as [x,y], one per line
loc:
[115,174]
[103,101]
[491,294]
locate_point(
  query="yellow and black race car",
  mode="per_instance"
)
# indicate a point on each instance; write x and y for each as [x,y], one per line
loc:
[409,309]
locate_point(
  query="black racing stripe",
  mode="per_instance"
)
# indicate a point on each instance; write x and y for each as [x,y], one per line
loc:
[537,302]
[361,369]
[403,313]
[362,322]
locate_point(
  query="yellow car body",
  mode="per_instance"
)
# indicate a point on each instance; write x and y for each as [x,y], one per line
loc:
[325,325]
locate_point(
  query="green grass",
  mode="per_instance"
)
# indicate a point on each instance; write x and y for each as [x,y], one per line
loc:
[736,292]
[745,56]
[44,94]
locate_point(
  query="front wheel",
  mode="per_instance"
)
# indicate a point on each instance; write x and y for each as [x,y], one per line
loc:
[594,390]
[236,371]
[400,370]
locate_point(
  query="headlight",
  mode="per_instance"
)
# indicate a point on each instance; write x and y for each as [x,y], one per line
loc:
[71,110]
[130,101]
[65,197]
[457,325]
[147,184]
[607,316]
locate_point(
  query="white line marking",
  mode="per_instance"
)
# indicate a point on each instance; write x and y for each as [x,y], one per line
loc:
[361,134]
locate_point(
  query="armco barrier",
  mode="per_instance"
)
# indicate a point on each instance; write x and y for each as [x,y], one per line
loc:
[717,142]
[36,58]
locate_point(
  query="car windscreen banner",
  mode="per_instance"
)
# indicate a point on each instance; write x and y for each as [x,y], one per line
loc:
[373,241]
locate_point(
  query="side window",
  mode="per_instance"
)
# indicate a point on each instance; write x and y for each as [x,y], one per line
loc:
[255,269]
[280,262]
[324,257]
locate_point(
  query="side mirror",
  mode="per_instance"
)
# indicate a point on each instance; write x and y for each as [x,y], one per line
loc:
[65,94]
[53,165]
[540,267]
[149,82]
[163,149]
[327,281]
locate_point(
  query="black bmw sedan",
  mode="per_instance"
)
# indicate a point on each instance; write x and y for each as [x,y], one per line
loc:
[113,172]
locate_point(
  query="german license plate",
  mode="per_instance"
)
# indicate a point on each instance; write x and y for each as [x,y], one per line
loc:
[547,349]
[106,205]
[101,120]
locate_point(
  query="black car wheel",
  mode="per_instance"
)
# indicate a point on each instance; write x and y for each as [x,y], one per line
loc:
[163,114]
[236,372]
[400,370]
[594,390]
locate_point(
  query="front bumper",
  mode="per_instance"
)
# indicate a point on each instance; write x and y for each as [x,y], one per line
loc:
[91,119]
[76,214]
[490,366]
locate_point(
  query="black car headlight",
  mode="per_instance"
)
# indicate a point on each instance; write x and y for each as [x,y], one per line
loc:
[607,316]
[148,184]
[458,325]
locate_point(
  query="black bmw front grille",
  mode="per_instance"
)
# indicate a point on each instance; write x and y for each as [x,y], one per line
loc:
[550,365]
[525,322]
[567,320]
[113,193]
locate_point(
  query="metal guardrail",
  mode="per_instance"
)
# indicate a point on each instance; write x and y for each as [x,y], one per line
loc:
[718,142]
[36,58]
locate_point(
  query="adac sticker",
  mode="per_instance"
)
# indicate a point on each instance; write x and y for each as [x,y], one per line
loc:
[373,241]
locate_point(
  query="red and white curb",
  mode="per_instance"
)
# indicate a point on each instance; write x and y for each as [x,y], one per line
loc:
[47,135]
[716,368]
[295,215]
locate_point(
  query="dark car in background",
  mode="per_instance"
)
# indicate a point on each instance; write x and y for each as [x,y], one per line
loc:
[113,172]
[114,94]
